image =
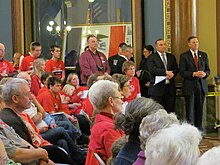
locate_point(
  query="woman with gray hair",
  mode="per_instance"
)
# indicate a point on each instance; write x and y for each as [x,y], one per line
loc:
[106,98]
[176,145]
[135,111]
[151,124]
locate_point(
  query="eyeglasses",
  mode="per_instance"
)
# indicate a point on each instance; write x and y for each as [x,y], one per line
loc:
[119,97]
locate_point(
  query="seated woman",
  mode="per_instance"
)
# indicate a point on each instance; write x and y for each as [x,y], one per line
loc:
[210,157]
[124,87]
[108,102]
[38,67]
[80,93]
[135,111]
[176,145]
[151,124]
[128,68]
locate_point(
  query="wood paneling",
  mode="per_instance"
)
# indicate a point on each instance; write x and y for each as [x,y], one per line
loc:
[17,26]
[183,25]
[137,30]
[218,35]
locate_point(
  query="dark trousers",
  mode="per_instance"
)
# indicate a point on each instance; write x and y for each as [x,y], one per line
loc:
[167,100]
[61,138]
[58,156]
[194,106]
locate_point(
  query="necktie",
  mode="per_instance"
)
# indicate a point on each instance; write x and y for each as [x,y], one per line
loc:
[196,60]
[164,60]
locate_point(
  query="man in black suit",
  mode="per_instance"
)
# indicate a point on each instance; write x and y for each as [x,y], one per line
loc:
[116,61]
[194,68]
[164,64]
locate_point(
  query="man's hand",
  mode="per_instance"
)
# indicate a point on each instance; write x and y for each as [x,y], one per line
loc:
[169,74]
[199,74]
[42,154]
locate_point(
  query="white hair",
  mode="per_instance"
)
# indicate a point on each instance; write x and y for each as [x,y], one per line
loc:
[12,87]
[176,145]
[210,157]
[154,122]
[100,91]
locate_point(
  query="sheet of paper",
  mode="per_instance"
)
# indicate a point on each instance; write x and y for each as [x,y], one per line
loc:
[158,79]
[85,93]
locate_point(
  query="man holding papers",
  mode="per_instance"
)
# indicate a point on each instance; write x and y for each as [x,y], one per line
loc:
[163,68]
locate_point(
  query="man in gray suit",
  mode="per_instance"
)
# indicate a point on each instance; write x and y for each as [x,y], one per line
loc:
[194,68]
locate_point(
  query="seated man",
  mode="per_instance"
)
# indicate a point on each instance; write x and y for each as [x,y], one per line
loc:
[6,69]
[17,97]
[18,149]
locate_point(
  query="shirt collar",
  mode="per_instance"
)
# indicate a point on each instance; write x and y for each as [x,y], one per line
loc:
[194,52]
[124,57]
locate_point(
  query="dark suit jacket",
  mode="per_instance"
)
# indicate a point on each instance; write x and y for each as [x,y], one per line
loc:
[115,63]
[187,67]
[145,74]
[156,68]
[15,121]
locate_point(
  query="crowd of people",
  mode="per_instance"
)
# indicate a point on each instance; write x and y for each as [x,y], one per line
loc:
[109,114]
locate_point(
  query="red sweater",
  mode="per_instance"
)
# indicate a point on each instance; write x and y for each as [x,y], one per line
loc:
[103,135]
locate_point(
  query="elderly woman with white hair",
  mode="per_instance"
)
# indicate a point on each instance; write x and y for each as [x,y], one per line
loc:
[210,157]
[151,124]
[176,145]
[106,98]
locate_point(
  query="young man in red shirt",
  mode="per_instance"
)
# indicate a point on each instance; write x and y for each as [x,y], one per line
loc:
[27,62]
[55,65]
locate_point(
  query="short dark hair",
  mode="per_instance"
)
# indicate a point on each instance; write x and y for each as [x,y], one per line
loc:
[52,81]
[121,44]
[45,76]
[34,44]
[89,36]
[149,48]
[52,47]
[191,37]
[159,39]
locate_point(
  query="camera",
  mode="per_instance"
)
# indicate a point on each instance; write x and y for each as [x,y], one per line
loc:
[100,68]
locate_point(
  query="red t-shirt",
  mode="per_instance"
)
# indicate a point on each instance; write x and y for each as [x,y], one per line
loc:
[55,67]
[27,63]
[36,84]
[52,103]
[43,89]
[34,131]
[134,88]
[103,135]
[6,67]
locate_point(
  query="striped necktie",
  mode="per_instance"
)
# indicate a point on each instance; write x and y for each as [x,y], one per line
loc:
[164,60]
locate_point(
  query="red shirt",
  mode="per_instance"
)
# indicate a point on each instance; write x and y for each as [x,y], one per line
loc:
[43,89]
[34,131]
[88,108]
[6,67]
[89,63]
[76,99]
[134,88]
[103,135]
[27,63]
[36,84]
[55,67]
[52,103]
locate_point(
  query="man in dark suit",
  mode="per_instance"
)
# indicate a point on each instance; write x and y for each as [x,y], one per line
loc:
[194,68]
[116,61]
[164,64]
